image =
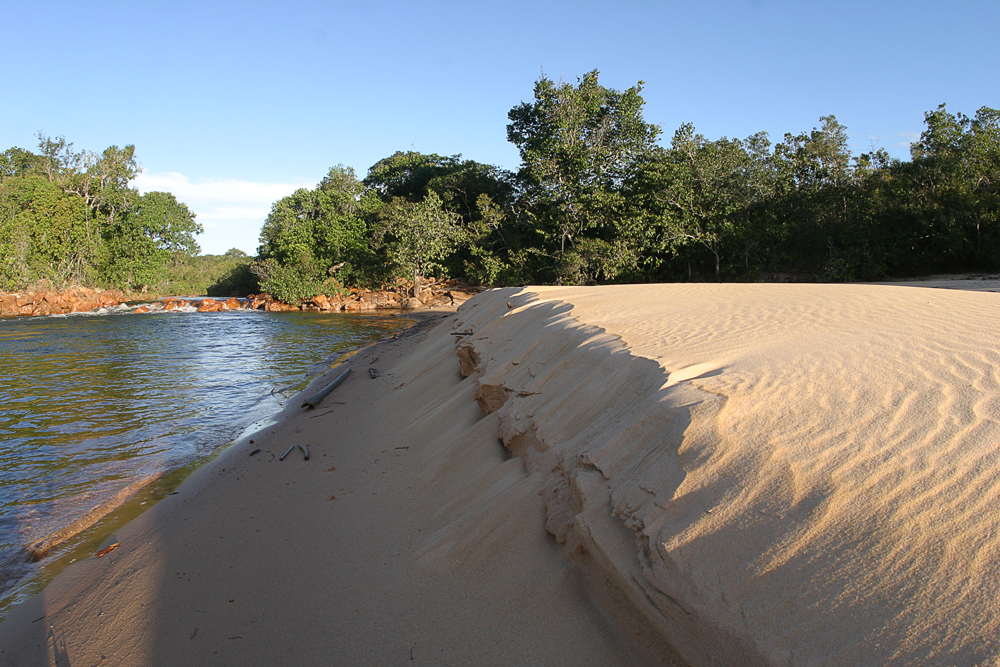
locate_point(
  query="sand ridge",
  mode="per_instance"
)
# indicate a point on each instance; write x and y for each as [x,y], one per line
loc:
[409,537]
[733,475]
[832,499]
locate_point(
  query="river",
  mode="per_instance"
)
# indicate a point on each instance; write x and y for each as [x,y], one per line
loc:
[91,405]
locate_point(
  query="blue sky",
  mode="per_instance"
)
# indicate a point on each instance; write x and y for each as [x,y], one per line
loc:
[232,105]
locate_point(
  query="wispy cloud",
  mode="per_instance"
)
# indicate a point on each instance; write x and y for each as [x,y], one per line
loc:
[230,210]
[907,138]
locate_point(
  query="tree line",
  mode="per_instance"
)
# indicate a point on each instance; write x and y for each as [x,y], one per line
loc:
[598,198]
[71,218]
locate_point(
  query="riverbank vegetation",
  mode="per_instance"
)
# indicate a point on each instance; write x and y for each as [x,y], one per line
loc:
[599,197]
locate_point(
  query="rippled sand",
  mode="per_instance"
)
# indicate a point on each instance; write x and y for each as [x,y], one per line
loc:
[814,480]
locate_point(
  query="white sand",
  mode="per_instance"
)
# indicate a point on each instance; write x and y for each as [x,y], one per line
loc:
[743,474]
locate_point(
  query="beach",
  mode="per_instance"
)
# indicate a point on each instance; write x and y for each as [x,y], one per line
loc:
[624,475]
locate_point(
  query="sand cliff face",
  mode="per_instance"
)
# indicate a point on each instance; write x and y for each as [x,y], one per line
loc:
[762,474]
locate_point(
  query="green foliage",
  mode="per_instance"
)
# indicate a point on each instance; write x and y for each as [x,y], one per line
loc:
[460,185]
[313,240]
[71,218]
[42,234]
[215,275]
[292,282]
[231,275]
[578,145]
[17,162]
[418,235]
[158,231]
[596,199]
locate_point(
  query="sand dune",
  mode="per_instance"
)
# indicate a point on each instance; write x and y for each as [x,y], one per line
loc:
[808,475]
[733,475]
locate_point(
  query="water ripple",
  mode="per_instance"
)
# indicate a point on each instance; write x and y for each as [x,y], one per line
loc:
[91,405]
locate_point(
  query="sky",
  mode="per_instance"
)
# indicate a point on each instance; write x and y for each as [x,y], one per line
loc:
[233,105]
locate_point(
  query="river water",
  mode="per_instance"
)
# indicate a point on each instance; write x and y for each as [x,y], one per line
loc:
[95,406]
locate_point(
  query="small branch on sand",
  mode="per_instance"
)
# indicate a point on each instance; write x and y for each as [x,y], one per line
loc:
[105,551]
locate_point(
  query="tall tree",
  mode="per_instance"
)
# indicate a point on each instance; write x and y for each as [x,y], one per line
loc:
[578,145]
[419,235]
[955,177]
[157,232]
[315,239]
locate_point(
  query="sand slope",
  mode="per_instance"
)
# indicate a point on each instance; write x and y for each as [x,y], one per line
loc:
[733,475]
[409,538]
[772,474]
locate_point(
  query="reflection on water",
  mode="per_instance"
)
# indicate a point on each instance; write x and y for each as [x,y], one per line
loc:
[92,404]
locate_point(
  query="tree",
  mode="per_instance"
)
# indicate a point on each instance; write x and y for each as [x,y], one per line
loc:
[461,185]
[313,240]
[955,186]
[417,235]
[231,276]
[578,145]
[700,193]
[157,231]
[703,189]
[17,162]
[168,223]
[408,174]
[41,235]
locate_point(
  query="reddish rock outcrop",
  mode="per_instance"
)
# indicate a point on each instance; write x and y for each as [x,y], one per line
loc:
[172,304]
[209,306]
[434,293]
[258,301]
[278,307]
[57,302]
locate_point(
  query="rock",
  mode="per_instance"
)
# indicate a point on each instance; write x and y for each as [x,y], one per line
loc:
[48,301]
[322,302]
[353,305]
[8,305]
[380,299]
[141,309]
[259,301]
[412,303]
[209,306]
[278,307]
[232,303]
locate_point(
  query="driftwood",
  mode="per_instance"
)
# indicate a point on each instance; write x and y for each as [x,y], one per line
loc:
[314,400]
[105,551]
